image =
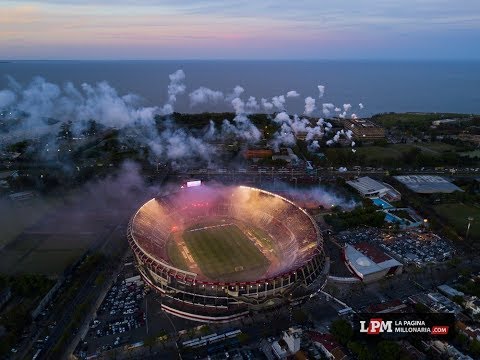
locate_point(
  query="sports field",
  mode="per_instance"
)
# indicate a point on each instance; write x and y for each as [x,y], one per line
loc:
[457,216]
[224,253]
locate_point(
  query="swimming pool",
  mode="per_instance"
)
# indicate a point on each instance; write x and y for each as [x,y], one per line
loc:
[393,219]
[382,203]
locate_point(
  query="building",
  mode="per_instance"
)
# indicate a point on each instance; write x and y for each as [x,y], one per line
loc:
[258,154]
[300,265]
[427,184]
[444,122]
[449,291]
[289,344]
[393,306]
[364,129]
[370,188]
[447,351]
[285,154]
[472,332]
[436,302]
[469,137]
[472,304]
[327,344]
[369,263]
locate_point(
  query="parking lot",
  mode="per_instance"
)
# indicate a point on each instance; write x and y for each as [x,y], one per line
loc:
[120,320]
[418,247]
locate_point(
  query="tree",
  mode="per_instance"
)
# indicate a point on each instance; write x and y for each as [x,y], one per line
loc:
[474,348]
[458,299]
[150,342]
[360,350]
[342,331]
[388,350]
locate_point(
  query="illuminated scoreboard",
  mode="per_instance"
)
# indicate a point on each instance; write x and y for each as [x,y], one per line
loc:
[194,183]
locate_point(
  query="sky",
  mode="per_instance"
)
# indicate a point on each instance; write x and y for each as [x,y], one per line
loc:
[240,29]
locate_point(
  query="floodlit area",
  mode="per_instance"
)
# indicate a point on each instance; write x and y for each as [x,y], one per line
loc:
[415,247]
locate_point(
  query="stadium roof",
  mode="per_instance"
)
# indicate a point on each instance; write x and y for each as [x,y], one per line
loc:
[427,184]
[366,265]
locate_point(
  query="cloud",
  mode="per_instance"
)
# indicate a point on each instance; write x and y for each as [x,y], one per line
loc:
[360,106]
[347,107]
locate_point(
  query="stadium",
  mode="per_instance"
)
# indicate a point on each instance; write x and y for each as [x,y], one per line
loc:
[217,254]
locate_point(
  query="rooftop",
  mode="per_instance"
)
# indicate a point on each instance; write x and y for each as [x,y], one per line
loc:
[427,184]
[366,265]
[366,184]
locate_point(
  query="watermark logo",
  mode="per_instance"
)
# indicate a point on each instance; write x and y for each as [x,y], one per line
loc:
[440,330]
[376,326]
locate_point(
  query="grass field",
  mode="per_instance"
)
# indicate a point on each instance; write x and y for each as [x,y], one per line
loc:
[225,253]
[457,214]
[16,218]
[175,255]
[391,152]
[392,119]
[46,254]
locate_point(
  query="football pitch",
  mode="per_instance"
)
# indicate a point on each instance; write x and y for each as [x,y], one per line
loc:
[224,253]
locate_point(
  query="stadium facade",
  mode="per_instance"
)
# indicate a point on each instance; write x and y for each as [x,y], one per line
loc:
[298,265]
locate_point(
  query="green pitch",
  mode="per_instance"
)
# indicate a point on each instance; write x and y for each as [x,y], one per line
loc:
[224,253]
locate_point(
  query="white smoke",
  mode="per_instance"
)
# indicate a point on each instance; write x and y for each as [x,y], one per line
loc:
[138,125]
[321,90]
[309,106]
[268,106]
[327,108]
[283,137]
[237,91]
[238,105]
[252,104]
[241,128]
[176,85]
[279,102]
[7,97]
[292,93]
[204,95]
[319,194]
[313,146]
